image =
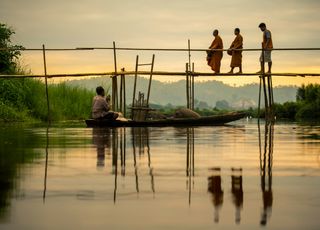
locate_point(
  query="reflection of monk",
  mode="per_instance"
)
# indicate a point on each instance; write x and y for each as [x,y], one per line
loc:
[237,191]
[214,57]
[101,138]
[236,60]
[214,187]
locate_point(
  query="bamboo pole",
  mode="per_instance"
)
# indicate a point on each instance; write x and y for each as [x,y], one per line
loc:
[192,89]
[259,100]
[134,87]
[187,86]
[121,91]
[115,57]
[189,54]
[46,81]
[189,77]
[264,85]
[115,81]
[124,96]
[114,93]
[270,98]
[150,80]
[155,49]
[159,73]
[156,73]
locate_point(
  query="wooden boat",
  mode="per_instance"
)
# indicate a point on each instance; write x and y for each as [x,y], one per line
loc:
[202,121]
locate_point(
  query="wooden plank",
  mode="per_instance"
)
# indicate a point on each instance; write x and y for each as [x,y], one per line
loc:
[157,73]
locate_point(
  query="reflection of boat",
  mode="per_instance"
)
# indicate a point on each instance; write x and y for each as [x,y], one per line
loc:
[202,121]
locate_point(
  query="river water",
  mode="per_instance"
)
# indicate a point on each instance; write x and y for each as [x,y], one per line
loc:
[240,175]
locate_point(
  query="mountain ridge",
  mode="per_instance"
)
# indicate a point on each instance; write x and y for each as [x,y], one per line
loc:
[207,93]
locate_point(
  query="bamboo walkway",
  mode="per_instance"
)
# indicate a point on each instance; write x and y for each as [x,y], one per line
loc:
[157,73]
[119,103]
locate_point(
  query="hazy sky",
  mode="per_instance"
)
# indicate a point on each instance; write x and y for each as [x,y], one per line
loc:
[162,24]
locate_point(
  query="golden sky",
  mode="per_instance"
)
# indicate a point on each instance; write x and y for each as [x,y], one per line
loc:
[163,24]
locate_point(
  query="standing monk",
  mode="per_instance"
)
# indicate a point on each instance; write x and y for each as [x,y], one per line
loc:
[236,60]
[267,46]
[215,56]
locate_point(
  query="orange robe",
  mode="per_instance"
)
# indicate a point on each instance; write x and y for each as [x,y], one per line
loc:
[236,59]
[214,60]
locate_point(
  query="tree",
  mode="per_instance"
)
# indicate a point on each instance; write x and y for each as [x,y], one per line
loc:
[308,98]
[9,53]
[301,93]
[223,104]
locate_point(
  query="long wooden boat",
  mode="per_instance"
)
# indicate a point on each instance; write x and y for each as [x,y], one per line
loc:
[202,121]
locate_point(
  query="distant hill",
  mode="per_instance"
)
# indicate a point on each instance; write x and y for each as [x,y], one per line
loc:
[207,93]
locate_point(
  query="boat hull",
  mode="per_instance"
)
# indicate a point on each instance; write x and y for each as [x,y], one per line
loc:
[202,121]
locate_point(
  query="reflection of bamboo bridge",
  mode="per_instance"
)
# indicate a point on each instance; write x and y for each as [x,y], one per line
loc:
[114,141]
[118,88]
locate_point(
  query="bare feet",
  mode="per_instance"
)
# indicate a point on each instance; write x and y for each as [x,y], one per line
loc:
[259,72]
[230,72]
[240,72]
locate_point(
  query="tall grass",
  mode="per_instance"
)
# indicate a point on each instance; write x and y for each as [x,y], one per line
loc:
[25,100]
[69,103]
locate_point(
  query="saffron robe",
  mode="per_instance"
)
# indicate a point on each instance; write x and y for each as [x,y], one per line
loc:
[236,59]
[214,57]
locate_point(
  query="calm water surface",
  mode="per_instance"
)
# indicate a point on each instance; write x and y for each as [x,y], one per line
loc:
[239,176]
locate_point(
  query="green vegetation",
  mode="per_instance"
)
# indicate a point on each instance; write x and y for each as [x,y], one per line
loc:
[306,107]
[8,56]
[308,101]
[25,99]
[19,146]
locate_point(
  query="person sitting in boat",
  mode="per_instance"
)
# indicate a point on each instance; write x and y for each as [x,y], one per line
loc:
[101,106]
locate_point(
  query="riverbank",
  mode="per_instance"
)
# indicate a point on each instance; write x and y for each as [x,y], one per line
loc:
[25,100]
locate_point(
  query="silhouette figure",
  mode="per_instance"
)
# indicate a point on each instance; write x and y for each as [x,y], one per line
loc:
[237,191]
[101,138]
[214,187]
[266,172]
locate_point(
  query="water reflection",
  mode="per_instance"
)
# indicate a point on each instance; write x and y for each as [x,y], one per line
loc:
[46,166]
[190,161]
[266,159]
[16,148]
[213,175]
[215,188]
[101,139]
[115,141]
[140,147]
[237,192]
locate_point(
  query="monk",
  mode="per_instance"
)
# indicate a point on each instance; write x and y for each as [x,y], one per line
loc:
[214,57]
[236,60]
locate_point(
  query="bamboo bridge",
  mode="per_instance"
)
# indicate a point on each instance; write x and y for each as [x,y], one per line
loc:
[118,77]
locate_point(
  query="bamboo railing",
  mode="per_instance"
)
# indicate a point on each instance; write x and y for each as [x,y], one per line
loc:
[265,78]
